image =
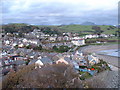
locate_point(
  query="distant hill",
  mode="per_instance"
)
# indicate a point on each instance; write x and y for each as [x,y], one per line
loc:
[88,23]
[85,29]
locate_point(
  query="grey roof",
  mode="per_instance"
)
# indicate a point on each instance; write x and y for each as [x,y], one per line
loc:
[24,50]
[46,60]
[52,54]
[89,58]
[31,54]
[55,58]
[11,50]
[80,51]
[6,47]
[67,59]
[32,61]
[19,62]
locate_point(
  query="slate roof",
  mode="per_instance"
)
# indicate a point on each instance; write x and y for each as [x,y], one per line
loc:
[32,61]
[55,58]
[19,62]
[68,60]
[46,60]
[90,58]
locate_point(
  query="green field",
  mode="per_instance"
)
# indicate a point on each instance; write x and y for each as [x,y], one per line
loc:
[86,29]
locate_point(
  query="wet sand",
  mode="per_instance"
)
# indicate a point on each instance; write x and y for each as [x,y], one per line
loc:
[96,48]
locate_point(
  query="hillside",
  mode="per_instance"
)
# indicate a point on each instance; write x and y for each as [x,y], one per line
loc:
[88,28]
[84,29]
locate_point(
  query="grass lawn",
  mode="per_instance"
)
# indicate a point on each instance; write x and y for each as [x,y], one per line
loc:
[85,75]
[112,43]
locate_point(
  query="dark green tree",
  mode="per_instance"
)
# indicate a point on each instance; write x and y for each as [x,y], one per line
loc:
[29,47]
[63,48]
[55,48]
[97,29]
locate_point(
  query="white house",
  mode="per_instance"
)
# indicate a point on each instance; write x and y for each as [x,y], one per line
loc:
[66,38]
[79,53]
[91,36]
[52,38]
[104,35]
[25,40]
[7,42]
[78,41]
[38,63]
[92,60]
[14,44]
[21,45]
[33,41]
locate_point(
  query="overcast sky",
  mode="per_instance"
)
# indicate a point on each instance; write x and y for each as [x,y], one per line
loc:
[57,12]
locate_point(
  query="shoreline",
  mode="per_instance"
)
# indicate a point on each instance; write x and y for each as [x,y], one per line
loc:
[113,60]
[96,48]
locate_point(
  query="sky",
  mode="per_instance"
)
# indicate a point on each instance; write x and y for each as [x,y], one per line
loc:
[57,12]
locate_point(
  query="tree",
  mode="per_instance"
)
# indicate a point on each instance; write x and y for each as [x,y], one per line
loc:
[117,33]
[38,48]
[63,48]
[20,35]
[26,62]
[29,47]
[55,48]
[19,28]
[16,47]
[97,30]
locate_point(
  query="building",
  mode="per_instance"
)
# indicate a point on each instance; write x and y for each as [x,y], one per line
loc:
[78,41]
[46,60]
[92,59]
[62,60]
[52,38]
[38,63]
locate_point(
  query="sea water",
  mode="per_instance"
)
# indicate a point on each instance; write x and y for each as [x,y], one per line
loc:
[112,52]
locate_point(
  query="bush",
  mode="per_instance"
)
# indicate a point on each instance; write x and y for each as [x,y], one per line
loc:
[50,76]
[61,49]
[14,78]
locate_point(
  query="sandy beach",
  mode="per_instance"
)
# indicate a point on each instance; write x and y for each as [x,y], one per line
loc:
[95,48]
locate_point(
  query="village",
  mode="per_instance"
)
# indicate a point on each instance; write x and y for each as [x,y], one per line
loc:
[43,49]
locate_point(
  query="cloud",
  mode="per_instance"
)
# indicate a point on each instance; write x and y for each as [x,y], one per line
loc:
[59,11]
